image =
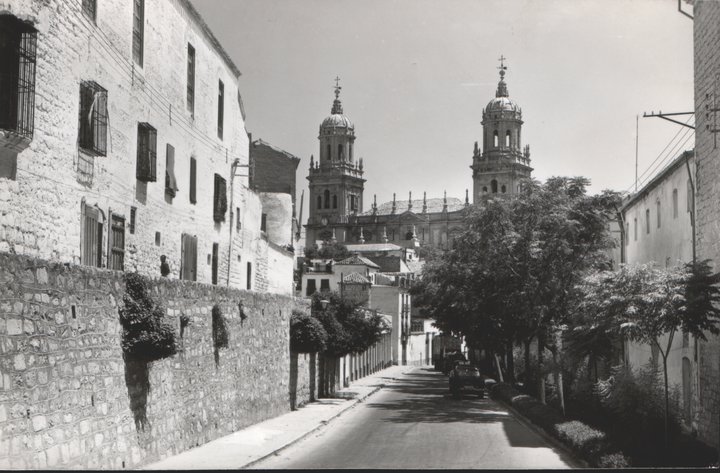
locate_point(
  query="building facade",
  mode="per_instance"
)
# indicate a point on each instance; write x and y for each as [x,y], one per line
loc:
[707,96]
[337,183]
[123,143]
[658,229]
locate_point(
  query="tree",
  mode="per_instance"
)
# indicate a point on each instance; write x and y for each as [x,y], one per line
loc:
[511,274]
[335,251]
[307,334]
[643,303]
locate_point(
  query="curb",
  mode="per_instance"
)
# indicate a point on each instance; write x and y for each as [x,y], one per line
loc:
[357,400]
[579,463]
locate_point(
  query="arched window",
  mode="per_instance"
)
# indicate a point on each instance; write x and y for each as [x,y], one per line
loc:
[341,155]
[495,138]
[319,202]
[647,220]
[503,189]
[327,199]
[408,235]
[507,139]
[675,203]
[351,151]
[334,201]
[329,155]
[493,186]
[484,188]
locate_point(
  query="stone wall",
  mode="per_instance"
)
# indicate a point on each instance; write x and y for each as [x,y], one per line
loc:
[69,400]
[304,374]
[707,156]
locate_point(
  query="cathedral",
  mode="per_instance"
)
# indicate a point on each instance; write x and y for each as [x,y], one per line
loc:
[336,183]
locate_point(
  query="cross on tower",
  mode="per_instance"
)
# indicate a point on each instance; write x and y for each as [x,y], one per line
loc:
[337,86]
[502,66]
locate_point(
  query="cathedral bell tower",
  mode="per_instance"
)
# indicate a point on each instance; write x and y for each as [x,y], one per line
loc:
[501,164]
[336,182]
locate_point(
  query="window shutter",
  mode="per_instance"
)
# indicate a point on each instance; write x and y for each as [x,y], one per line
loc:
[170,182]
[193,179]
[183,256]
[219,199]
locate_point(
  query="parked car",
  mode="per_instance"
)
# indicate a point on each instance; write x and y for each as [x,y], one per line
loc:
[466,378]
[450,359]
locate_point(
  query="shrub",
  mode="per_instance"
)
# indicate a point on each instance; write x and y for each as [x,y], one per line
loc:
[219,328]
[307,334]
[146,335]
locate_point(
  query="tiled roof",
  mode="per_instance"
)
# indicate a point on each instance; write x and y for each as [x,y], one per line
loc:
[355,278]
[355,259]
[391,264]
[370,247]
[433,206]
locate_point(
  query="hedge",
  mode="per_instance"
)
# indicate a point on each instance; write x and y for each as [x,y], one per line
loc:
[587,443]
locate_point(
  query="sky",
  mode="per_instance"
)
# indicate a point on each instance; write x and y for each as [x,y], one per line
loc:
[416,74]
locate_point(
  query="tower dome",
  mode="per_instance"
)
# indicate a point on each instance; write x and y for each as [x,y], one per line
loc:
[501,102]
[336,122]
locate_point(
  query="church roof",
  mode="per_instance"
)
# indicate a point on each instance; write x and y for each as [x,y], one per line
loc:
[433,206]
[355,278]
[358,260]
[372,247]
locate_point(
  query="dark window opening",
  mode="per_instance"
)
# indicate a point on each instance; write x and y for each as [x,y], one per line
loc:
[249,276]
[507,139]
[138,31]
[263,223]
[193,180]
[326,196]
[238,225]
[116,245]
[503,189]
[219,199]
[191,79]
[329,155]
[647,220]
[18,43]
[493,186]
[157,238]
[215,263]
[89,8]
[495,138]
[146,153]
[133,211]
[93,119]
[335,201]
[341,154]
[319,202]
[675,202]
[311,287]
[221,109]
[484,188]
[92,237]
[353,202]
[171,187]
[351,151]
[324,285]
[657,209]
[188,257]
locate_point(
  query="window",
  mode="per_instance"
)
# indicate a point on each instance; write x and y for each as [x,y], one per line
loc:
[657,209]
[221,108]
[319,202]
[238,225]
[329,155]
[263,223]
[326,198]
[507,139]
[495,138]
[93,119]
[146,153]
[191,79]
[493,186]
[341,155]
[171,187]
[157,238]
[627,234]
[311,288]
[89,8]
[219,199]
[689,196]
[351,151]
[138,30]
[17,75]
[503,189]
[249,276]
[133,210]
[116,243]
[635,229]
[647,220]
[188,257]
[675,203]
[215,263]
[335,201]
[193,180]
[353,202]
[484,188]
[324,285]
[92,236]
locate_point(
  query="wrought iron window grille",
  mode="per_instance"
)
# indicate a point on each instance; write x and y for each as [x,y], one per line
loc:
[219,199]
[146,170]
[93,120]
[18,44]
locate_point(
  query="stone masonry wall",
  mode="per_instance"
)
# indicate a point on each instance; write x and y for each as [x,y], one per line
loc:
[69,400]
[707,155]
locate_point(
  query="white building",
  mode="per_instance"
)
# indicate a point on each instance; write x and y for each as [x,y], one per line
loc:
[122,139]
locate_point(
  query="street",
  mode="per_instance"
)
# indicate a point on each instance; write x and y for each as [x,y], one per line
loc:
[414,423]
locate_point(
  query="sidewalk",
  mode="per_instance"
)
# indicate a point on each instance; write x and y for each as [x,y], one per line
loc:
[250,445]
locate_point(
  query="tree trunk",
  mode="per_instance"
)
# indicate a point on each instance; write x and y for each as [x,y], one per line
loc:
[510,363]
[541,377]
[527,360]
[667,403]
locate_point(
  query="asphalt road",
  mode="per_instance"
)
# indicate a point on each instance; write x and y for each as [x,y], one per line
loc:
[415,423]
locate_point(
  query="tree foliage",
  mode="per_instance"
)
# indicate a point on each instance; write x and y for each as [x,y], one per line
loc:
[307,334]
[335,251]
